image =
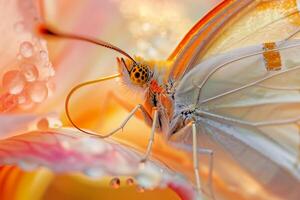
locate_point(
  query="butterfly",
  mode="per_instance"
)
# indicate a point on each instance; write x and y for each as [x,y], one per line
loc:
[232,81]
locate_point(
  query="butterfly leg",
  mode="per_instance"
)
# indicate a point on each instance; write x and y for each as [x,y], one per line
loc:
[195,158]
[151,138]
[111,96]
[297,164]
[208,152]
[145,116]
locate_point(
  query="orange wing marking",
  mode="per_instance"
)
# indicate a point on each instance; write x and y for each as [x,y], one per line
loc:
[271,56]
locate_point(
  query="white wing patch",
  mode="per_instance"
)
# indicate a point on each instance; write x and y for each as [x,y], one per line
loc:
[247,106]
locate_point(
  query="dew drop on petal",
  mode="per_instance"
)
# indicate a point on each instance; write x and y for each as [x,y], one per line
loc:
[115,183]
[130,181]
[26,49]
[23,98]
[140,189]
[44,55]
[90,146]
[54,122]
[13,81]
[27,165]
[38,92]
[148,176]
[43,124]
[24,101]
[94,172]
[29,71]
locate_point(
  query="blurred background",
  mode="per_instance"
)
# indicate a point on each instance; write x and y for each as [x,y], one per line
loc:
[38,72]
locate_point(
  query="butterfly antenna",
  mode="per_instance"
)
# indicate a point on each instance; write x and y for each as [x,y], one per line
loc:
[46,30]
[73,90]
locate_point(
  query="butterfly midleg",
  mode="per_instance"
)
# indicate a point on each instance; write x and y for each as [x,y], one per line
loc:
[146,116]
[111,96]
[151,138]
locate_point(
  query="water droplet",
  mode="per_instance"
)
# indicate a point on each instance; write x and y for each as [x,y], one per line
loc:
[27,165]
[44,55]
[23,98]
[54,122]
[90,145]
[140,188]
[94,172]
[46,71]
[130,181]
[115,183]
[24,101]
[148,176]
[19,27]
[29,71]
[26,49]
[43,124]
[38,92]
[13,81]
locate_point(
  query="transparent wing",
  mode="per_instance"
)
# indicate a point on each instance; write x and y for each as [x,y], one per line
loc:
[244,158]
[235,24]
[252,112]
[269,163]
[240,90]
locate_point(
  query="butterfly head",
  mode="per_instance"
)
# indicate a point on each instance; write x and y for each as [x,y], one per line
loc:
[136,72]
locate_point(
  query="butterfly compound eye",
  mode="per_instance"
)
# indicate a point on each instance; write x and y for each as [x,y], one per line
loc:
[139,74]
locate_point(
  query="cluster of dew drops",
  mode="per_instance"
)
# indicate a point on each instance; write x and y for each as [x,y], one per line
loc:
[29,82]
[115,183]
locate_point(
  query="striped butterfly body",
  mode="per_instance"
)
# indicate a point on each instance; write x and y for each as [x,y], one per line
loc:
[232,84]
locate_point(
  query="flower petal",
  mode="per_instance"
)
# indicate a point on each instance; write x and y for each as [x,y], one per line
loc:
[66,150]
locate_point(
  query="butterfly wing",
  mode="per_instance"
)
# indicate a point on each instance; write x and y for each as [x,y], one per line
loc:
[251,112]
[235,24]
